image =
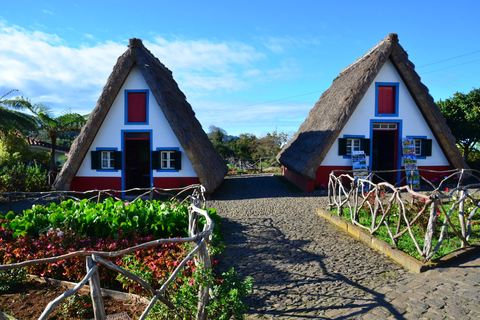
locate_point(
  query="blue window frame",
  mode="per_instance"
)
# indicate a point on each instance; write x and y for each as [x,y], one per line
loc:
[423,146]
[166,159]
[106,159]
[350,143]
[136,107]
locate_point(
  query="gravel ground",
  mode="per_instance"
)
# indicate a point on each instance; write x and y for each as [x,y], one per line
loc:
[303,267]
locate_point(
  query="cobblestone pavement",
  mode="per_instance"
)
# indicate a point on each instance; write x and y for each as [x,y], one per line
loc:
[305,268]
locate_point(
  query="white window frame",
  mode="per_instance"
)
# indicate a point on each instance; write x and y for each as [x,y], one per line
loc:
[418,146]
[107,159]
[353,144]
[167,159]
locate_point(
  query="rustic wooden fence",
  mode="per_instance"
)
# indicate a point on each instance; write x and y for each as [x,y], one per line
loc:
[383,201]
[94,258]
[249,164]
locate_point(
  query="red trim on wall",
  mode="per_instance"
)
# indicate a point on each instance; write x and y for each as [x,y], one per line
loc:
[174,182]
[323,173]
[115,183]
[100,183]
[298,180]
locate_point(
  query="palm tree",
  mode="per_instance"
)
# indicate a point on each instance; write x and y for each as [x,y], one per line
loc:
[13,121]
[53,125]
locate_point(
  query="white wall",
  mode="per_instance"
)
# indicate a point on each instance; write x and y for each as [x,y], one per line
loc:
[413,123]
[109,134]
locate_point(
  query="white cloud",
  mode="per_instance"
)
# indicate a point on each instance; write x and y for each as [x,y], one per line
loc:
[45,69]
[42,67]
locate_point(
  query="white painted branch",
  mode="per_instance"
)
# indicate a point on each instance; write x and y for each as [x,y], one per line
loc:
[54,303]
[97,300]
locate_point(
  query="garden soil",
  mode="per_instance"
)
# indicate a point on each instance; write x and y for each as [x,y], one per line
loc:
[29,299]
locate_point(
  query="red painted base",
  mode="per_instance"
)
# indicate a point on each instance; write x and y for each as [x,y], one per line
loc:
[323,172]
[115,183]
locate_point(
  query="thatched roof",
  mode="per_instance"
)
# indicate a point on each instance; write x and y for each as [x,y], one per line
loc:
[305,152]
[207,163]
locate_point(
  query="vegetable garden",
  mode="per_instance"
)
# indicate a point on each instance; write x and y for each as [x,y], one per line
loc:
[153,248]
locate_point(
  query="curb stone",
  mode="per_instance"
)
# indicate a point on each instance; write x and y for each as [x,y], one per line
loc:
[407,261]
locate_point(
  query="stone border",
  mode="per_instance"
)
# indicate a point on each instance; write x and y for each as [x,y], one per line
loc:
[396,255]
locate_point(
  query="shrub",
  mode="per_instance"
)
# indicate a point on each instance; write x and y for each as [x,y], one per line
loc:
[24,178]
[77,305]
[226,296]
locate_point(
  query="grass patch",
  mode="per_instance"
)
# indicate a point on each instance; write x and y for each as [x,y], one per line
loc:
[405,243]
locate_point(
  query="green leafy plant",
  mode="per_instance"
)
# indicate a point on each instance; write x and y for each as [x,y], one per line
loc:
[22,177]
[225,298]
[101,220]
[77,305]
[10,278]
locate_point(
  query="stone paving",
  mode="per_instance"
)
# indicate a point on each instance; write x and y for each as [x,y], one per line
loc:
[305,268]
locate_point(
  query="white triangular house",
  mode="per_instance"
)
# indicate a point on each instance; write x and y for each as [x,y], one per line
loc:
[371,106]
[142,133]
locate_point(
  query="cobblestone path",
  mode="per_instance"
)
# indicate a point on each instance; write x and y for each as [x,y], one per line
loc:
[305,268]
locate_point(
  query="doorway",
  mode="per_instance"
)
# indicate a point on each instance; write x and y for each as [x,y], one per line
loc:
[137,160]
[385,151]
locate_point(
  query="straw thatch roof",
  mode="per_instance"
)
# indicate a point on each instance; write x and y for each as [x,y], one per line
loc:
[207,163]
[305,152]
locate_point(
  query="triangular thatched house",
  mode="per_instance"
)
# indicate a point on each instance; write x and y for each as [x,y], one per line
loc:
[372,106]
[142,133]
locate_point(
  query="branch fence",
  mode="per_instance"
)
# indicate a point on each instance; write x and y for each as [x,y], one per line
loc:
[393,206]
[250,164]
[194,194]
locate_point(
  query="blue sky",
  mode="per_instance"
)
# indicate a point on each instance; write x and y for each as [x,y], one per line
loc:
[245,66]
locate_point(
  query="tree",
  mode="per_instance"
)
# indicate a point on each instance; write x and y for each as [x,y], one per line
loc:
[246,146]
[53,125]
[272,143]
[13,121]
[462,113]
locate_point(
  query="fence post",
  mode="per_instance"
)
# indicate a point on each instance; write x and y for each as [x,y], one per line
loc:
[203,258]
[261,168]
[98,306]
[461,215]
[432,222]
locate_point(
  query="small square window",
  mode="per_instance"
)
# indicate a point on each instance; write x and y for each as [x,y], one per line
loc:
[352,145]
[108,160]
[418,146]
[167,160]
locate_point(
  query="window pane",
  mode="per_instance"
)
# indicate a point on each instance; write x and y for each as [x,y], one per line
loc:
[418,146]
[107,160]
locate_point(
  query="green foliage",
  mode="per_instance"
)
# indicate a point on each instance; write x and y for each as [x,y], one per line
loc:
[10,278]
[77,305]
[15,148]
[14,121]
[225,299]
[22,177]
[247,145]
[419,226]
[462,113]
[51,124]
[160,219]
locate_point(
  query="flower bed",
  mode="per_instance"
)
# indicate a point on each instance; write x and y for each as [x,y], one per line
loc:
[57,229]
